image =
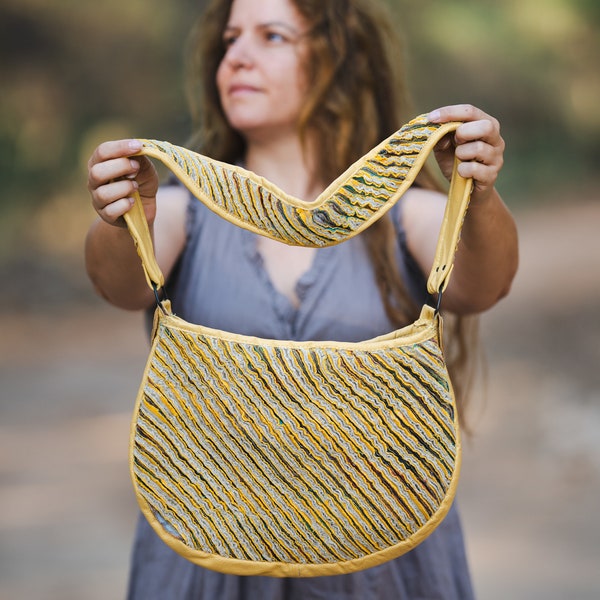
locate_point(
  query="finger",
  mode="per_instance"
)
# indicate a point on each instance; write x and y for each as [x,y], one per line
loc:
[487,130]
[113,192]
[102,172]
[478,151]
[445,143]
[146,172]
[112,212]
[114,149]
[457,112]
[482,175]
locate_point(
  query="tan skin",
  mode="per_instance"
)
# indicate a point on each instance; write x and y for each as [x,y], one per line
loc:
[263,51]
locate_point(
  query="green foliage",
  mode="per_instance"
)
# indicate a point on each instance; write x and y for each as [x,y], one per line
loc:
[75,73]
[532,65]
[70,70]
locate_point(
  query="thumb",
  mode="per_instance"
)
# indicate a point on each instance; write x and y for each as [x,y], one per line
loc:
[446,143]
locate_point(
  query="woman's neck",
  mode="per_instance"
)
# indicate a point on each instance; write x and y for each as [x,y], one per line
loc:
[284,162]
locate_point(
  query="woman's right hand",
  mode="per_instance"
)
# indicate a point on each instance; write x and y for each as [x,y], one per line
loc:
[112,262]
[114,173]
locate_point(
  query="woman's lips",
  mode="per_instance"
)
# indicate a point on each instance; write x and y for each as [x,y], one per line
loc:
[240,89]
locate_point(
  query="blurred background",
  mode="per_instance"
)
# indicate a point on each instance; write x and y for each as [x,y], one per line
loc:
[73,74]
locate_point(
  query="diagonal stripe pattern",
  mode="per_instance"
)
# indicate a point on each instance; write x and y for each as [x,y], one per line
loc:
[274,453]
[361,195]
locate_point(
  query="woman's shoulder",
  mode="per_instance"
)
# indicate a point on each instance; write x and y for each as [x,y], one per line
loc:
[173,192]
[171,207]
[419,208]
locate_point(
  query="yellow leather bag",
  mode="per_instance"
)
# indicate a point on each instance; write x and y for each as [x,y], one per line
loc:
[254,456]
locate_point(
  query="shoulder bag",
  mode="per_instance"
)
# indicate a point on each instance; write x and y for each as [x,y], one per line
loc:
[255,456]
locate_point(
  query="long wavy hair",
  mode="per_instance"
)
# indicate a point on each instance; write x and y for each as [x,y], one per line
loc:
[357,98]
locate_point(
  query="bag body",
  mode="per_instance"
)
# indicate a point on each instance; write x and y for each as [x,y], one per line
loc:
[267,457]
[258,456]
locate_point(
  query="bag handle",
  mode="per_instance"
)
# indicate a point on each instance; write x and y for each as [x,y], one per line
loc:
[360,196]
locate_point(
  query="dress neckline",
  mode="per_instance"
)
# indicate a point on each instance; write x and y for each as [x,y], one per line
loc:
[305,284]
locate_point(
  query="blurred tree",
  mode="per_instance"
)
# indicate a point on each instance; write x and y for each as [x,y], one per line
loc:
[533,66]
[69,66]
[74,73]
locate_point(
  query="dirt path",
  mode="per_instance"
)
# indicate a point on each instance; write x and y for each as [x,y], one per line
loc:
[531,478]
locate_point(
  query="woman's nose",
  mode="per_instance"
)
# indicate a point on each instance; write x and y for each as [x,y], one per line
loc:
[239,53]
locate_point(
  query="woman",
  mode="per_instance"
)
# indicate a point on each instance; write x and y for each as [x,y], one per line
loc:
[296,90]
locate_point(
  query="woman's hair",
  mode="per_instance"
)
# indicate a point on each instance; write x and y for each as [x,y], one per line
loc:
[357,95]
[357,98]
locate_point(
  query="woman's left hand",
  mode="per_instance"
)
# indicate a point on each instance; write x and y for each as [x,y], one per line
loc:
[477,143]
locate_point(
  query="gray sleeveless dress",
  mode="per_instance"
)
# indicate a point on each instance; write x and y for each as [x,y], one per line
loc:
[221,282]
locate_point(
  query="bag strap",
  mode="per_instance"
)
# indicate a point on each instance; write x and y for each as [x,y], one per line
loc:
[459,197]
[356,199]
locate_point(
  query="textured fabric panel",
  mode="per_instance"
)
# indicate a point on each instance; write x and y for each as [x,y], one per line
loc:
[358,197]
[267,453]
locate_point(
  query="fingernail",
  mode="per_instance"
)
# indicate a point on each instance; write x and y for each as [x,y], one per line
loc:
[434,115]
[134,164]
[134,145]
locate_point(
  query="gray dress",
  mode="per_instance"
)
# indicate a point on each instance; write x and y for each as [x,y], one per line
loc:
[221,282]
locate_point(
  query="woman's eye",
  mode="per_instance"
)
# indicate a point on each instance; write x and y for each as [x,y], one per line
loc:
[228,41]
[274,36]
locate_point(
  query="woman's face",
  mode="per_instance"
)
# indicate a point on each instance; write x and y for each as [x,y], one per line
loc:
[261,78]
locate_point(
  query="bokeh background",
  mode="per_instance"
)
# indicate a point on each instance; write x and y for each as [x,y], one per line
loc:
[75,73]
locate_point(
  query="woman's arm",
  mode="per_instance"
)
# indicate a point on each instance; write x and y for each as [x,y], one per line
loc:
[111,259]
[487,255]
